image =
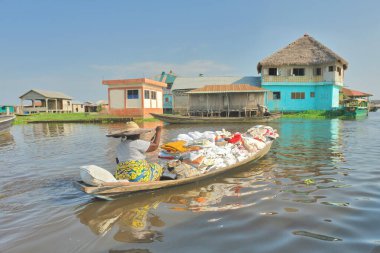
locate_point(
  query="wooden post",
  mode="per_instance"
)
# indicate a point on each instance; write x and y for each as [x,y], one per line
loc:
[22,106]
[47,105]
[188,104]
[56,105]
[228,105]
[207,109]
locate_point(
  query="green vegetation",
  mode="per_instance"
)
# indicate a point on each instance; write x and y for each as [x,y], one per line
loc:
[68,117]
[313,114]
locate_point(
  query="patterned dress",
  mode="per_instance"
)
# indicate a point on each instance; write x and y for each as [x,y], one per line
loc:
[133,165]
[138,171]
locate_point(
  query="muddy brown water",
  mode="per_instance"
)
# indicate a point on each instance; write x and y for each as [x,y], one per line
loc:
[267,207]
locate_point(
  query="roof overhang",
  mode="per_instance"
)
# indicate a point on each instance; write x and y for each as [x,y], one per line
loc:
[134,81]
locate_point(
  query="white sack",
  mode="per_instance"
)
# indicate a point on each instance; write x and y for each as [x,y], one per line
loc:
[95,176]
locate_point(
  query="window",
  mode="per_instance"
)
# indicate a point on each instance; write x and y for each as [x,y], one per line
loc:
[81,106]
[68,103]
[133,94]
[331,68]
[273,71]
[153,95]
[339,70]
[299,71]
[312,94]
[298,95]
[318,71]
[146,94]
[276,95]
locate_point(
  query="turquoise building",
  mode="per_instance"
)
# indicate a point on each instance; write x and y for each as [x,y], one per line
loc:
[305,75]
[7,109]
[167,78]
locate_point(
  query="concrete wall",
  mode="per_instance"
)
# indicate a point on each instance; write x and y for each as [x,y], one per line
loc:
[77,108]
[326,97]
[284,74]
[143,105]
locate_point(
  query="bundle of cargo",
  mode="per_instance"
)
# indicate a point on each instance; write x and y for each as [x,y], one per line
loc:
[188,158]
[197,153]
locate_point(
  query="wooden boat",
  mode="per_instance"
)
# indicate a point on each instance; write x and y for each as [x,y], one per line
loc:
[356,108]
[179,119]
[110,191]
[6,123]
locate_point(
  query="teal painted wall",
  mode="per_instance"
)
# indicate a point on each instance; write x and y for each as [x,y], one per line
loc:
[326,96]
[168,101]
[3,109]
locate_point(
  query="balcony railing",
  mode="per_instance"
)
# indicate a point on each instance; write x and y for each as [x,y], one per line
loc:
[296,79]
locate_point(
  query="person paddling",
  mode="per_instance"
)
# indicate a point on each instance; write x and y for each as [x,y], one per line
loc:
[131,160]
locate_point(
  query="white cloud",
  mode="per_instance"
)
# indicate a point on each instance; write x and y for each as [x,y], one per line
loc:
[151,68]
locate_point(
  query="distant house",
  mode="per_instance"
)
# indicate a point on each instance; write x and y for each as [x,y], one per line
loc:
[77,107]
[90,107]
[102,106]
[226,100]
[182,85]
[46,101]
[347,94]
[7,109]
[167,78]
[305,75]
[135,97]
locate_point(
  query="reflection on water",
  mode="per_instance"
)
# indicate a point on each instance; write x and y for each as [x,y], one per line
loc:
[49,130]
[317,189]
[6,139]
[280,175]
[135,221]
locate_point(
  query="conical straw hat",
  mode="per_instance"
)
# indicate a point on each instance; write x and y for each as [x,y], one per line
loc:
[131,128]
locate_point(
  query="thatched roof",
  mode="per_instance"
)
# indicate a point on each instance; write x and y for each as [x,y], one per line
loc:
[304,51]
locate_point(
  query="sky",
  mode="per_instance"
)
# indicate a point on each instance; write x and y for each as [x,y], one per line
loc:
[71,46]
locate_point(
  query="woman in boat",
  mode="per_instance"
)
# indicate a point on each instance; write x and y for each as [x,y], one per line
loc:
[131,161]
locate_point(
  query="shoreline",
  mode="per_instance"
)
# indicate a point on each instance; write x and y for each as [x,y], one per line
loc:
[75,118]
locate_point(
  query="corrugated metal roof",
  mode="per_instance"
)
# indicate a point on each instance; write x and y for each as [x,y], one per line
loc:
[198,82]
[354,93]
[219,88]
[49,94]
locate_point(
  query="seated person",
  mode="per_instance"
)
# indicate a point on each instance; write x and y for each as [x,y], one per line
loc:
[266,113]
[131,163]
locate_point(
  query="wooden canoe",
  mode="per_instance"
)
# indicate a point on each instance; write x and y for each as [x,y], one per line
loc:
[110,191]
[6,123]
[179,119]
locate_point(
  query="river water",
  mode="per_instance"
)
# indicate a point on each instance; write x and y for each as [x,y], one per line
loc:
[317,190]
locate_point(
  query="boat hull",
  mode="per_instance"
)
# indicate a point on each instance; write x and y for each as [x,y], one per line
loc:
[178,119]
[356,112]
[111,191]
[6,123]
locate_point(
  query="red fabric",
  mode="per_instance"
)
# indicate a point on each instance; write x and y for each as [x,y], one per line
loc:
[236,138]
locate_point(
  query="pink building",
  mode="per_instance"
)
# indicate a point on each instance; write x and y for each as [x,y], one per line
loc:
[135,97]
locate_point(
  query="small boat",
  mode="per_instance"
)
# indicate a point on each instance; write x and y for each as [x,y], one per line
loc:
[179,119]
[109,191]
[356,108]
[6,123]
